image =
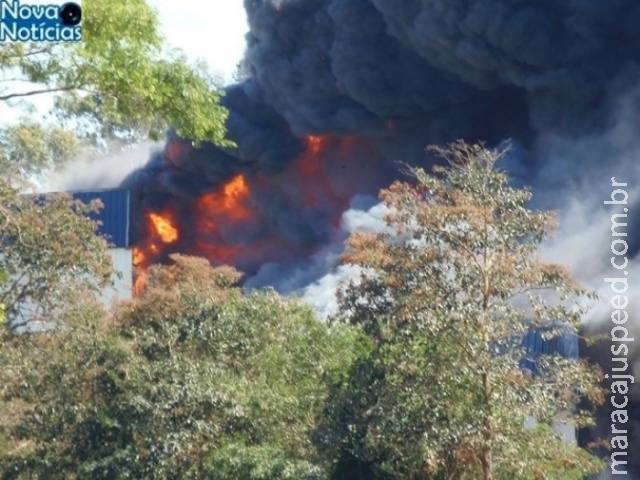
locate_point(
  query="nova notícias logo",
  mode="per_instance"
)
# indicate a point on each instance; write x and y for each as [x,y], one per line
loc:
[24,22]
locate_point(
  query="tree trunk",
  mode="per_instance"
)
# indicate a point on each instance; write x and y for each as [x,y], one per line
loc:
[486,457]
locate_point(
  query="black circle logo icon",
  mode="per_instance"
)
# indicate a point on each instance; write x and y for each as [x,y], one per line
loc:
[70,14]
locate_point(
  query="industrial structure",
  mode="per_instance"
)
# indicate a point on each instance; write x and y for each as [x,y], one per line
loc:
[114,225]
[564,343]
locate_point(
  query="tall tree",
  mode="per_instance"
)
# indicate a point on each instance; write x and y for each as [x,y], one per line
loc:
[446,302]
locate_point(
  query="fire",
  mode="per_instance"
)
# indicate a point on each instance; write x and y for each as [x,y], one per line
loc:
[141,256]
[315,144]
[161,230]
[222,254]
[236,188]
[139,283]
[310,168]
[230,203]
[214,213]
[139,260]
[229,224]
[164,228]
[138,256]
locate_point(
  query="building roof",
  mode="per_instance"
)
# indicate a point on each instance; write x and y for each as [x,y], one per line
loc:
[114,216]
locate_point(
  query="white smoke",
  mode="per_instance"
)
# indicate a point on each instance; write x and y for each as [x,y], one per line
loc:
[317,279]
[101,171]
[583,241]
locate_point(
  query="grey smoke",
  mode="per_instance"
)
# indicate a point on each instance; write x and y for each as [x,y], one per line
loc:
[318,278]
[104,170]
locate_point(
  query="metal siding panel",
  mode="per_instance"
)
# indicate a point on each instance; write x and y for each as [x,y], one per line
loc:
[564,343]
[123,287]
[114,215]
[531,343]
[567,345]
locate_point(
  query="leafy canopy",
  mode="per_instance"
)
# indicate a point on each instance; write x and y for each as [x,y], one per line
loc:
[191,380]
[121,80]
[49,255]
[445,302]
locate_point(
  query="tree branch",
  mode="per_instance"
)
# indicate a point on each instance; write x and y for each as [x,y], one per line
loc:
[38,51]
[36,92]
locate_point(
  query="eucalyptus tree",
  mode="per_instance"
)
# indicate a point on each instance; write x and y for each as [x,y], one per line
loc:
[445,301]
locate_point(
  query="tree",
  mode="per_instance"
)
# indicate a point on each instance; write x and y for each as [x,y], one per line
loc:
[49,255]
[193,379]
[121,81]
[445,303]
[29,148]
[3,309]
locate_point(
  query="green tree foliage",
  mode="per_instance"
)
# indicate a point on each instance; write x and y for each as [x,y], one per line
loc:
[49,255]
[193,379]
[120,80]
[445,302]
[29,148]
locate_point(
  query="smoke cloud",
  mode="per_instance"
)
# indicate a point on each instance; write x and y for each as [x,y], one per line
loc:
[341,90]
[104,170]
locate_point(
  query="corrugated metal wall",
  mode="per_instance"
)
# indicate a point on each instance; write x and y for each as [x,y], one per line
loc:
[564,343]
[115,218]
[122,259]
[114,215]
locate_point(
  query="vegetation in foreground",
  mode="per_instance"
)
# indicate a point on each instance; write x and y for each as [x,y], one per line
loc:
[418,377]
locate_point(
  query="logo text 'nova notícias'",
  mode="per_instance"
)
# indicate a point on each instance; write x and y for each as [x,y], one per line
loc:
[26,22]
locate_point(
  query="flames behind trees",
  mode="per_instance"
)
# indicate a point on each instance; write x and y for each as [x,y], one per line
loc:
[252,218]
[385,78]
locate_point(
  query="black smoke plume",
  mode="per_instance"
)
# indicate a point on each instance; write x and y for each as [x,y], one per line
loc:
[378,80]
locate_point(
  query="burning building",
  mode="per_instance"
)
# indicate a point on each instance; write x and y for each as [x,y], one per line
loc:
[341,90]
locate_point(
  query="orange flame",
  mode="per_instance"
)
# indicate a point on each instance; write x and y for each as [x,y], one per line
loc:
[139,259]
[164,228]
[139,283]
[310,169]
[160,229]
[138,256]
[229,228]
[229,203]
[315,143]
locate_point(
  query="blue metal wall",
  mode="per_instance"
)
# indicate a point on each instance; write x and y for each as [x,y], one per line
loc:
[114,215]
[564,343]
